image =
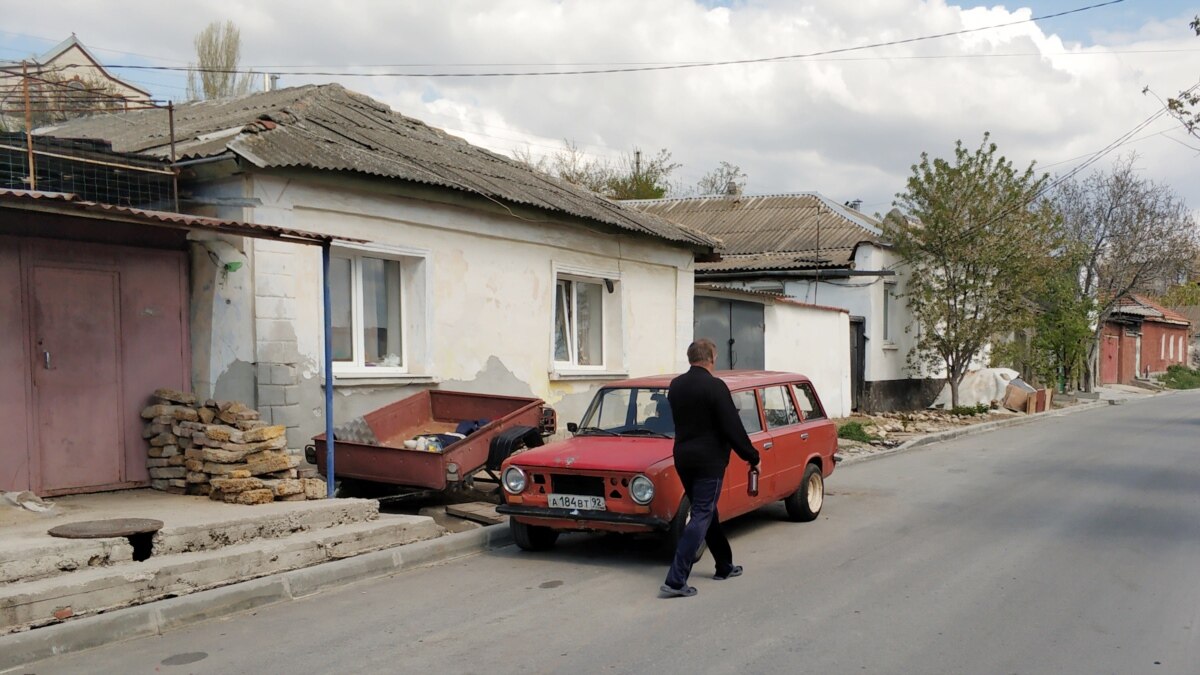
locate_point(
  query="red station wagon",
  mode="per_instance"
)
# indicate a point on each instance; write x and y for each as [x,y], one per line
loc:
[617,474]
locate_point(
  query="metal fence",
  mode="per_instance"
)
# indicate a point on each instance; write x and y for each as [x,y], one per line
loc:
[34,97]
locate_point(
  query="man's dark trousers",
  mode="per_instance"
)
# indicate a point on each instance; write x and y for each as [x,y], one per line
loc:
[704,525]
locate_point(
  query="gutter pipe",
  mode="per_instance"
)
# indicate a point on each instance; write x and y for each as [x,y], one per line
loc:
[328,315]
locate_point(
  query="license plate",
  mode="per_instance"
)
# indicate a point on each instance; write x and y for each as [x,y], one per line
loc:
[578,502]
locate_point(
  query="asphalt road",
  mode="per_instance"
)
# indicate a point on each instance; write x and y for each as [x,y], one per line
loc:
[1065,546]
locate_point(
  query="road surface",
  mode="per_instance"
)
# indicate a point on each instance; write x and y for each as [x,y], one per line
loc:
[1069,545]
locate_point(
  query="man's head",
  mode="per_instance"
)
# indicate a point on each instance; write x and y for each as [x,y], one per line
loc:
[702,353]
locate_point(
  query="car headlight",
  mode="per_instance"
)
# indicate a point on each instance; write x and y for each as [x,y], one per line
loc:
[641,489]
[514,480]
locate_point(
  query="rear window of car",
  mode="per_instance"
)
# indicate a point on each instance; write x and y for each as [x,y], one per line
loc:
[807,398]
[778,408]
[747,406]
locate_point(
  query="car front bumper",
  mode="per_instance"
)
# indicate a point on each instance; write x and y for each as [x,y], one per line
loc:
[583,517]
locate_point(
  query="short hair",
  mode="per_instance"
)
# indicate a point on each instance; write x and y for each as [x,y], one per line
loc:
[702,350]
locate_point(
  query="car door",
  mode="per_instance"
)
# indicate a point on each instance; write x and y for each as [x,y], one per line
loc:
[783,463]
[818,432]
[734,500]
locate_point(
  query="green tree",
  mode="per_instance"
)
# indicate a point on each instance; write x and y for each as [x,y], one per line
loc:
[634,177]
[218,51]
[1184,106]
[642,177]
[975,234]
[1133,235]
[726,179]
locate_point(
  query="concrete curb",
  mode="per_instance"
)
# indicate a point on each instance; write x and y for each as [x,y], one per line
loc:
[154,618]
[973,430]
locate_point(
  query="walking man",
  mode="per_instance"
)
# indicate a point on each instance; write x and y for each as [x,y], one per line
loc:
[706,427]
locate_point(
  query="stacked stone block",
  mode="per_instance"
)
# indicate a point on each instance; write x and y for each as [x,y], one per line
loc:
[223,450]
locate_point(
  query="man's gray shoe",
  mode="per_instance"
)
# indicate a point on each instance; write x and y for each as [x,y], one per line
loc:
[735,571]
[685,592]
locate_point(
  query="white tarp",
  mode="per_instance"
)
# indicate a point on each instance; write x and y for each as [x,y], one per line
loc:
[978,387]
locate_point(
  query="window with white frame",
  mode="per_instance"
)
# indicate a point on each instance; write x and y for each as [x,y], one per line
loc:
[579,322]
[889,297]
[367,313]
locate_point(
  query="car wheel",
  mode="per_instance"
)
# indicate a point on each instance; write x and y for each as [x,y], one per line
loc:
[532,537]
[682,517]
[805,503]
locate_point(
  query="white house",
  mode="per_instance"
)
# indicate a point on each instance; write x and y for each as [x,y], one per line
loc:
[819,252]
[453,267]
[774,332]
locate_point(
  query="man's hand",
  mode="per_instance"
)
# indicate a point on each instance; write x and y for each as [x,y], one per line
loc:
[757,459]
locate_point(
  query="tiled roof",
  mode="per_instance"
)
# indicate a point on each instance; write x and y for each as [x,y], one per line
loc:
[1140,305]
[328,128]
[772,232]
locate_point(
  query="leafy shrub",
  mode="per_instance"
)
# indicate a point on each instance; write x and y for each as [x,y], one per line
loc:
[1181,377]
[967,410]
[854,431]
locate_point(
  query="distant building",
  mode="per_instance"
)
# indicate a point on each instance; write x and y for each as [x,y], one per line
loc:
[67,78]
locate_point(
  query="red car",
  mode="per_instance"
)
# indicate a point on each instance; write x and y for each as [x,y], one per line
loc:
[617,475]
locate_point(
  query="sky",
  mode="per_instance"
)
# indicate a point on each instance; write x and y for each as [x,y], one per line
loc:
[848,125]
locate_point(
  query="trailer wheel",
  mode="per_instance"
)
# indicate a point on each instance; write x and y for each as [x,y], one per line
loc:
[532,537]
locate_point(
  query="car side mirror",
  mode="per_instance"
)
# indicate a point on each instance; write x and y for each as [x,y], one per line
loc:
[572,427]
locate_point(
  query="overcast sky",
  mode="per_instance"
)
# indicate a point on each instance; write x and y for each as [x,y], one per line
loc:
[848,125]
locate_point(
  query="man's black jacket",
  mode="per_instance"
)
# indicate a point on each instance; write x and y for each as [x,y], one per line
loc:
[706,424]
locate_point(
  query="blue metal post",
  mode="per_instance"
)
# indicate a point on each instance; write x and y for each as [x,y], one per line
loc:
[328,315]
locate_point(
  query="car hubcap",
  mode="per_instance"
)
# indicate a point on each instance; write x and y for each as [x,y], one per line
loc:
[816,492]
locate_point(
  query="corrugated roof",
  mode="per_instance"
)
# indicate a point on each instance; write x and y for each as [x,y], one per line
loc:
[65,203]
[762,232]
[1140,305]
[328,128]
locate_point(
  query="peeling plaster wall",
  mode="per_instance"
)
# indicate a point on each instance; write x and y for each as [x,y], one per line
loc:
[222,305]
[479,306]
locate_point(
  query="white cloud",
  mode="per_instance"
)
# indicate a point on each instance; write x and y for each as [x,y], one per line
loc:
[848,125]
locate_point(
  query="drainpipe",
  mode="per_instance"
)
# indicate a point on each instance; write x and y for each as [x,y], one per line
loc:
[327,300]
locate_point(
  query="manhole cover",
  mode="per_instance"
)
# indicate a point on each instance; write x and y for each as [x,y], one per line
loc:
[99,529]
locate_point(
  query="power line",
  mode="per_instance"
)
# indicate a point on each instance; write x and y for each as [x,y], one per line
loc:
[633,69]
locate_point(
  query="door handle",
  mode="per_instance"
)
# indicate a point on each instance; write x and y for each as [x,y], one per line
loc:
[804,436]
[768,445]
[46,359]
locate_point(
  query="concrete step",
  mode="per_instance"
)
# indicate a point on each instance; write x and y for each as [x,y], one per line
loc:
[50,600]
[49,556]
[254,525]
[37,555]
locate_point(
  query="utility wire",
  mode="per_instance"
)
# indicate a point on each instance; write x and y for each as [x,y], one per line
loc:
[634,69]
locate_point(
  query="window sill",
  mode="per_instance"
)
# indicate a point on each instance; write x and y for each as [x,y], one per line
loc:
[889,346]
[573,375]
[372,380]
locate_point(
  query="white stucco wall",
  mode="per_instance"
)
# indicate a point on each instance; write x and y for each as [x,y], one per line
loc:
[864,296]
[482,319]
[814,342]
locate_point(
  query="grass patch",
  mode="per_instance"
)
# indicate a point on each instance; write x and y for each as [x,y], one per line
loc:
[1181,377]
[854,431]
[968,410]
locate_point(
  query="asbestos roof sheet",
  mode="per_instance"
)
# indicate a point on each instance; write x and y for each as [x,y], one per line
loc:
[329,128]
[62,202]
[788,231]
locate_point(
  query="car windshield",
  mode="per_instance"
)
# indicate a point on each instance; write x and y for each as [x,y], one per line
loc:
[629,411]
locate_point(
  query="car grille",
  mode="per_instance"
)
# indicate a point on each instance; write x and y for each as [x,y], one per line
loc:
[578,485]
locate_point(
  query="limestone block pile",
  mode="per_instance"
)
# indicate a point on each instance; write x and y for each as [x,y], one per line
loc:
[223,450]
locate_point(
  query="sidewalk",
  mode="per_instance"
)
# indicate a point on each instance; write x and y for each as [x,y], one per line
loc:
[852,452]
